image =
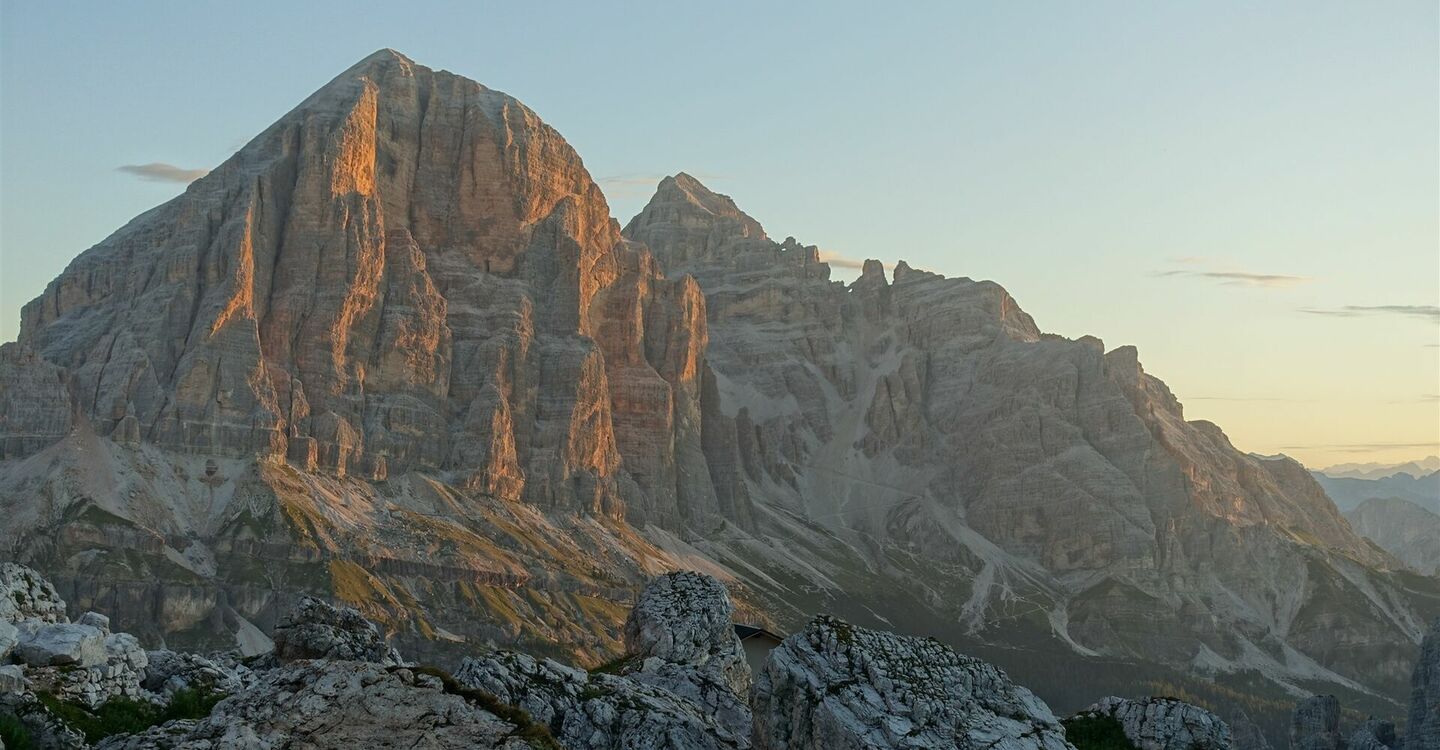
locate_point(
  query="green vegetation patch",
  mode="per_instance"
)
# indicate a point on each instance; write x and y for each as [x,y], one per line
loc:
[127,716]
[13,734]
[1090,732]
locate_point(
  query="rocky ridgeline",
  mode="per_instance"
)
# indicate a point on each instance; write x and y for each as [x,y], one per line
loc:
[332,681]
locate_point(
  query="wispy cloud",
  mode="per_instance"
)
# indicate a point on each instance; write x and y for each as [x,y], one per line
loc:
[1360,447]
[157,171]
[844,261]
[1424,312]
[1239,278]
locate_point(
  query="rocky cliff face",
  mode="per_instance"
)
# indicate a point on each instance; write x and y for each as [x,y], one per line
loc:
[395,353]
[931,427]
[1406,530]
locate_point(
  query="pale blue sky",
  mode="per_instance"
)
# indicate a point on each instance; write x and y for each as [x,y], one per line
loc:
[1074,152]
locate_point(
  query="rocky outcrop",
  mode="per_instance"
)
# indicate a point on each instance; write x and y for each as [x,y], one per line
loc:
[167,672]
[840,687]
[684,618]
[597,711]
[26,595]
[339,705]
[1422,730]
[45,730]
[684,683]
[1165,724]
[79,661]
[316,630]
[1315,724]
[1374,734]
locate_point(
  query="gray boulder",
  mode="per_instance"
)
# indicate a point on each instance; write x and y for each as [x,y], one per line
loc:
[169,671]
[1422,731]
[838,687]
[12,678]
[316,630]
[1165,723]
[45,644]
[686,618]
[95,620]
[1315,724]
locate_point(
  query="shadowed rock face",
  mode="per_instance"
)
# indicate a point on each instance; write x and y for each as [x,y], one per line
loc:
[1422,731]
[1315,724]
[931,425]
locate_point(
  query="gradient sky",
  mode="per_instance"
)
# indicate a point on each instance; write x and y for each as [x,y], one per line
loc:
[1248,192]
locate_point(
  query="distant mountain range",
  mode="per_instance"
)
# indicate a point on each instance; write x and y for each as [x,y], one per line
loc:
[1427,465]
[1348,492]
[395,352]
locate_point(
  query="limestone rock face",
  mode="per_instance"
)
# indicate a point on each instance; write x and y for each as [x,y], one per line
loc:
[409,271]
[1422,730]
[930,429]
[26,595]
[168,671]
[338,705]
[684,618]
[836,686]
[1315,724]
[1165,724]
[316,630]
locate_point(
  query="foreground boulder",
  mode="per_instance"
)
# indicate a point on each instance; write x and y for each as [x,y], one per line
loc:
[684,683]
[343,705]
[838,687]
[45,730]
[1422,731]
[686,618]
[316,630]
[1315,724]
[1165,724]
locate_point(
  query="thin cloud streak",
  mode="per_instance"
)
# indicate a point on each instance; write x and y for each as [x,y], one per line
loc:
[1359,447]
[1424,312]
[157,171]
[1241,278]
[845,261]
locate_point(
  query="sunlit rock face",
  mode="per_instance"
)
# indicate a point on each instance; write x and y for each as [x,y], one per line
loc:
[929,424]
[409,271]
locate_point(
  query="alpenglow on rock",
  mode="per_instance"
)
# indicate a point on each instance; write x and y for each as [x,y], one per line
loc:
[1165,724]
[833,686]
